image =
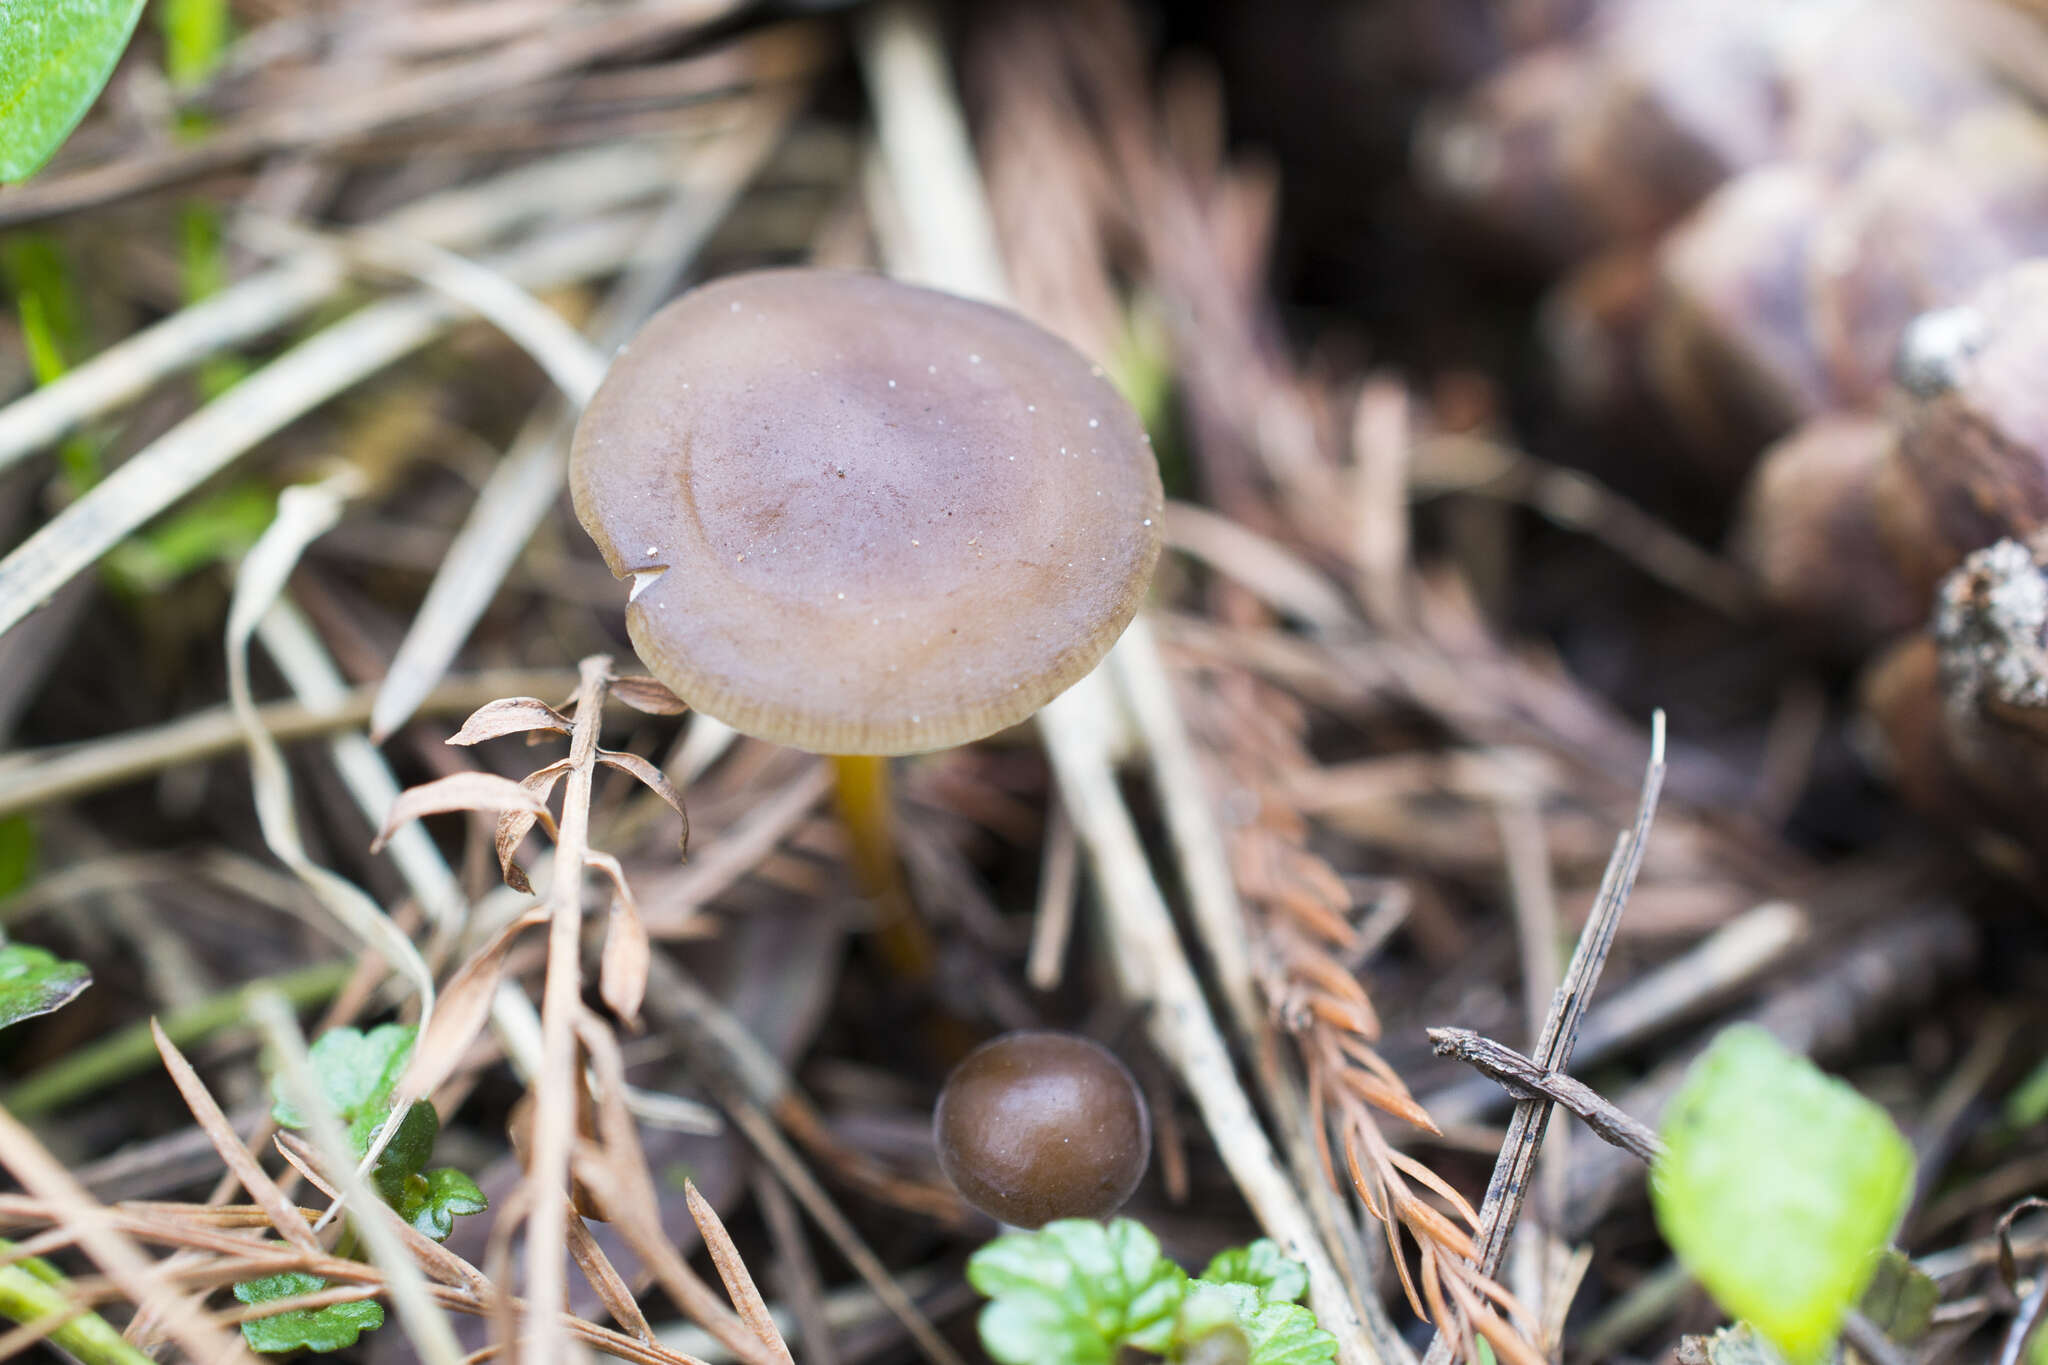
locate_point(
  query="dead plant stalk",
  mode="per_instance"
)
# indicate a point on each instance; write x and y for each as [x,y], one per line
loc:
[555,1108]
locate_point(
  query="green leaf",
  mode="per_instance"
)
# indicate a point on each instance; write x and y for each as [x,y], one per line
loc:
[358,1071]
[1779,1188]
[55,56]
[1901,1298]
[17,854]
[1075,1292]
[215,529]
[320,1329]
[1261,1266]
[53,333]
[46,302]
[2028,1104]
[432,1201]
[195,36]
[34,982]
[1274,1333]
[406,1155]
[201,256]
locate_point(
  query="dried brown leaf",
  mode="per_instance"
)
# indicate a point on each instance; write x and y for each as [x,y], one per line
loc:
[732,1268]
[513,825]
[650,695]
[462,791]
[622,971]
[654,780]
[612,1290]
[464,1006]
[509,716]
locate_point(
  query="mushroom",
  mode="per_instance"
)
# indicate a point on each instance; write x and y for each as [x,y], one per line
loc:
[863,518]
[1035,1126]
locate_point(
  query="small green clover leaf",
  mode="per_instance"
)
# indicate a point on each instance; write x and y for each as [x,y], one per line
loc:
[1779,1189]
[406,1154]
[319,1329]
[34,982]
[1075,1292]
[1275,1333]
[359,1071]
[431,1201]
[1261,1266]
[55,56]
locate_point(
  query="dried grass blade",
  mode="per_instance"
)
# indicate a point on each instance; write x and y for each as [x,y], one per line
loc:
[304,512]
[1153,969]
[463,791]
[509,716]
[284,1215]
[571,362]
[732,1268]
[264,403]
[464,217]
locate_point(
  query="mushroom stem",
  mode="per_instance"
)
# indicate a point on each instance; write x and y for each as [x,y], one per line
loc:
[869,814]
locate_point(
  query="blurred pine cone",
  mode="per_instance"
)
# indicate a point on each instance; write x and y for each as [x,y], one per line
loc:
[1803,238]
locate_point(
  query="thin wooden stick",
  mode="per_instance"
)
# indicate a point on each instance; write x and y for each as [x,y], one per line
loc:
[1525,1080]
[1509,1186]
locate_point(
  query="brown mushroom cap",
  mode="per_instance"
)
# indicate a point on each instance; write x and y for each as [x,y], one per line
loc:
[1034,1126]
[864,517]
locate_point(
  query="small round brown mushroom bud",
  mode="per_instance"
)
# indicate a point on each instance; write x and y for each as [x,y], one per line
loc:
[1036,1126]
[863,517]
